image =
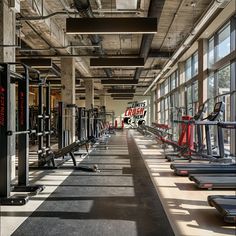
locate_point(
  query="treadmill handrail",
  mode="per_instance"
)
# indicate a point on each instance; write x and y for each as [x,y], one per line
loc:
[227,124]
[206,122]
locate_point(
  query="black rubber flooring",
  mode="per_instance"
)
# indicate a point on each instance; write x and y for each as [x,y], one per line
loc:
[120,200]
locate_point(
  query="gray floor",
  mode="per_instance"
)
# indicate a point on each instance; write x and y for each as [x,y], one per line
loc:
[119,200]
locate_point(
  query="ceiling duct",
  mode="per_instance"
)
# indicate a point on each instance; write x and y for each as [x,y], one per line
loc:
[121,91]
[85,11]
[119,82]
[112,25]
[123,98]
[38,63]
[154,10]
[120,62]
[121,95]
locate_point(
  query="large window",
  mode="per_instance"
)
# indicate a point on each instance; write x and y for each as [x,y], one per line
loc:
[173,114]
[188,69]
[166,86]
[195,64]
[219,45]
[191,66]
[223,80]
[173,80]
[162,108]
[218,90]
[211,52]
[192,98]
[211,93]
[223,47]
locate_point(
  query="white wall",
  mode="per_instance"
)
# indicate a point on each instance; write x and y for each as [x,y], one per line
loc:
[119,107]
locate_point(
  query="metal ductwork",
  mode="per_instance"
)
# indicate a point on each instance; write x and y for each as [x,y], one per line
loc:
[85,11]
[155,10]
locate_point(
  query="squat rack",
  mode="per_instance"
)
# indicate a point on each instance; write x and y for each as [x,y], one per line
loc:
[8,77]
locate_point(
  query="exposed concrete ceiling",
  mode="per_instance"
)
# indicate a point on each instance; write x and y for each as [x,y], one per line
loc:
[177,18]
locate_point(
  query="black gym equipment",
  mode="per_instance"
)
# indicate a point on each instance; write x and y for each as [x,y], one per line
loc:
[6,78]
[214,181]
[210,168]
[218,180]
[44,121]
[225,205]
[56,159]
[212,119]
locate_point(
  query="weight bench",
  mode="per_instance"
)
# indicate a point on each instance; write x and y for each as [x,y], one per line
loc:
[69,149]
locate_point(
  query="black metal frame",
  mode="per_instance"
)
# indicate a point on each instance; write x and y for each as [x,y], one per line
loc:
[7,130]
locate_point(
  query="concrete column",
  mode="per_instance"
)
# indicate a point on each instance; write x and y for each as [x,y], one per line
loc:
[202,68]
[103,99]
[7,54]
[68,94]
[89,93]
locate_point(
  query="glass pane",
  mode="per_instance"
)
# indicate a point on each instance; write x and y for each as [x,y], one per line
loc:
[166,86]
[188,71]
[173,81]
[223,76]
[189,100]
[162,111]
[211,52]
[223,48]
[211,93]
[195,92]
[224,80]
[162,92]
[195,64]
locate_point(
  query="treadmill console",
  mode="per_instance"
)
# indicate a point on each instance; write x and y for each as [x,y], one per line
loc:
[201,111]
[218,111]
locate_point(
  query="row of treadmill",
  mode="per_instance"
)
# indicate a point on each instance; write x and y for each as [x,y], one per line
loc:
[207,166]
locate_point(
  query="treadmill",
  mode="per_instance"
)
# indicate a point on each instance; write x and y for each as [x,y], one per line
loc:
[210,181]
[225,205]
[185,169]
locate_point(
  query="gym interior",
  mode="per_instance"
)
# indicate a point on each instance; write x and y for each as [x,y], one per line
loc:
[117,117]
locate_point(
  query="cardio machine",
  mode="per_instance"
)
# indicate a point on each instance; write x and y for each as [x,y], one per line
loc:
[186,154]
[185,169]
[223,181]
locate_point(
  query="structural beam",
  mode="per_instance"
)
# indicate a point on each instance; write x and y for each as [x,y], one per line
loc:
[124,98]
[116,62]
[83,98]
[122,95]
[117,25]
[38,63]
[152,53]
[119,82]
[121,90]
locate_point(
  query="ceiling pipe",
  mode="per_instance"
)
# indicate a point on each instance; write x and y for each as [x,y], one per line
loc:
[154,10]
[85,10]
[99,4]
[55,48]
[75,14]
[185,45]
